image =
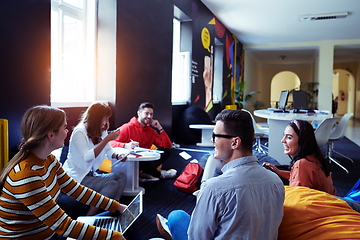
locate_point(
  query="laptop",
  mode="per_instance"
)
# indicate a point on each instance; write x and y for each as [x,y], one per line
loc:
[300,102]
[120,223]
[282,102]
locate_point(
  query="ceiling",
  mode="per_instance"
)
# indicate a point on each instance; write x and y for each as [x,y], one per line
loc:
[270,29]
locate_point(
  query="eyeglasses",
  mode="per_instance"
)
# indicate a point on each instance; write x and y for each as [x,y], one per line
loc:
[221,136]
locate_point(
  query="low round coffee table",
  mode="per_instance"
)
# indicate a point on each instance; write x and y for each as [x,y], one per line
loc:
[131,168]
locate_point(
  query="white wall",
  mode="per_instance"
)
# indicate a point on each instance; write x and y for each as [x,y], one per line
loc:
[325,71]
[253,79]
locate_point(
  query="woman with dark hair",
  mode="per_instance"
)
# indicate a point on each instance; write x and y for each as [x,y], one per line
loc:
[309,168]
[89,143]
[30,185]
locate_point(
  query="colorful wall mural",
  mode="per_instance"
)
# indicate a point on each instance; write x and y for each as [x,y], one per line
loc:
[206,30]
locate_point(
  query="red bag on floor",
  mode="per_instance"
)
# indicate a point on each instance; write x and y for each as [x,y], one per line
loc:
[189,178]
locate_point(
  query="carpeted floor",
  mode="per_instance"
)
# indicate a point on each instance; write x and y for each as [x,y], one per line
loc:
[343,182]
[162,197]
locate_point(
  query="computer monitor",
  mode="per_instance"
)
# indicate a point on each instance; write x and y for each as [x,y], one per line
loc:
[300,100]
[283,99]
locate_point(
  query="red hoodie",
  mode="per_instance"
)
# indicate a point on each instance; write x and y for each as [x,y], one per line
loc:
[146,136]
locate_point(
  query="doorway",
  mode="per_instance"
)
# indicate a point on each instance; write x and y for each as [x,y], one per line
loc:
[343,91]
[285,80]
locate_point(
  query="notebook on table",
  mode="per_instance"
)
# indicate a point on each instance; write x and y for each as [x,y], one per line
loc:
[120,223]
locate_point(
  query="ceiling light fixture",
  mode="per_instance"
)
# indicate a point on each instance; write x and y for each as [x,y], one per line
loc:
[325,16]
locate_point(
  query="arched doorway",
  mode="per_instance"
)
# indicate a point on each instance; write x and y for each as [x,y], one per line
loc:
[284,80]
[344,91]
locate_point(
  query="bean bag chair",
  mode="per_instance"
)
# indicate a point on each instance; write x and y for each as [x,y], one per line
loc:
[313,214]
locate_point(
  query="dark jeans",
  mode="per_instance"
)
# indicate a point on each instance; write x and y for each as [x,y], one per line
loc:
[353,204]
[149,167]
[110,185]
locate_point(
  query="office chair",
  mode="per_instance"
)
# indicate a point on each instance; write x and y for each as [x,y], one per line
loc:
[258,132]
[337,134]
[322,135]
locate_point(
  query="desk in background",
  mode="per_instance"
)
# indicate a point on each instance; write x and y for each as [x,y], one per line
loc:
[278,122]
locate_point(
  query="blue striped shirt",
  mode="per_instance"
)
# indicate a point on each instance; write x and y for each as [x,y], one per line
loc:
[245,202]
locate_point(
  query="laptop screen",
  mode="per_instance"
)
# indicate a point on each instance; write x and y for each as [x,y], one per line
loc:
[283,99]
[300,100]
[131,213]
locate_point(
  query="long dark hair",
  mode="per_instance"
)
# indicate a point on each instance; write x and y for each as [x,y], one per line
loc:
[36,123]
[93,116]
[308,145]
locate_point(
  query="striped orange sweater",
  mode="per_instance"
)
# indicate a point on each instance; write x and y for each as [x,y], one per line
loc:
[28,208]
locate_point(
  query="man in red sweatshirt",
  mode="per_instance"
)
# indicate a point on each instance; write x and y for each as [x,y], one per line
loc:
[144,131]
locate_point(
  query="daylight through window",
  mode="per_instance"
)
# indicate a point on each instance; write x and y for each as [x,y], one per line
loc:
[181,83]
[72,52]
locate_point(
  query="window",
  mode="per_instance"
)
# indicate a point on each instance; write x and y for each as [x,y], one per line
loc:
[218,71]
[73,28]
[181,89]
[181,74]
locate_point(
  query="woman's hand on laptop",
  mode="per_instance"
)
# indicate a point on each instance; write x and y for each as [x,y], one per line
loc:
[121,207]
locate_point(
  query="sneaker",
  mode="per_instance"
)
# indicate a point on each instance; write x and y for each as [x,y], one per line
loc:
[144,177]
[142,180]
[174,145]
[162,227]
[171,173]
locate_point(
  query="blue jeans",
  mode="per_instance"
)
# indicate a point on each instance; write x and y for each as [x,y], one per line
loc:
[178,222]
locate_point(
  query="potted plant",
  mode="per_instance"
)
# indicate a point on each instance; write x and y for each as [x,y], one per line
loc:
[245,101]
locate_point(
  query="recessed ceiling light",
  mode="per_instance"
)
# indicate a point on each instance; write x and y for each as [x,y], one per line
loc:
[324,16]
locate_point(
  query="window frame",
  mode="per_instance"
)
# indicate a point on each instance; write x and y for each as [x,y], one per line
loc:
[181,73]
[87,15]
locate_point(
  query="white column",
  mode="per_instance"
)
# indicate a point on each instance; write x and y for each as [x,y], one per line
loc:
[325,69]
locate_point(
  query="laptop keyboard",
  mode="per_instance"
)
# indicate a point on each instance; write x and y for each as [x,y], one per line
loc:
[108,223]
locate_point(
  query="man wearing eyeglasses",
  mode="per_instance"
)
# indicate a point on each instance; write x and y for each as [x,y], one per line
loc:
[245,202]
